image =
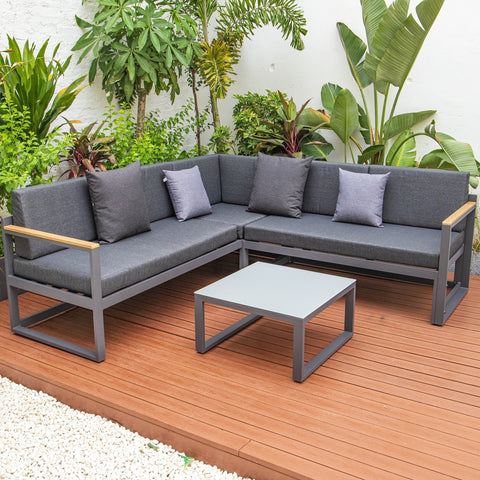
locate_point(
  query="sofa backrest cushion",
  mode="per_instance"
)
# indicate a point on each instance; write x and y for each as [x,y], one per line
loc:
[159,204]
[321,189]
[422,197]
[209,171]
[237,173]
[61,207]
[156,194]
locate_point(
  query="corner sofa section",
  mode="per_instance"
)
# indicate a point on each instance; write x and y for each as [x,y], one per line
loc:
[428,226]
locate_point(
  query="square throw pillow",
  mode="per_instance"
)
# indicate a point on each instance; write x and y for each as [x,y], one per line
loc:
[118,202]
[278,185]
[187,193]
[360,198]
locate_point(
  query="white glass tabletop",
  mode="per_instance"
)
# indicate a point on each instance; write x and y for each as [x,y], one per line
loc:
[277,289]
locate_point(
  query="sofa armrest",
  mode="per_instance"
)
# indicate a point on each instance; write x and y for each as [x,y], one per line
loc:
[52,237]
[459,214]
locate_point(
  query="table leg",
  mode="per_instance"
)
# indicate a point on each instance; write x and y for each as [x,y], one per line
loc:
[301,371]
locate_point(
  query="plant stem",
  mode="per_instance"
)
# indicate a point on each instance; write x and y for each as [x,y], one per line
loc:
[197,112]
[141,106]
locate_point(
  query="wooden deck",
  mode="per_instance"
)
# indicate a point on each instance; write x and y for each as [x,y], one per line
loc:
[400,400]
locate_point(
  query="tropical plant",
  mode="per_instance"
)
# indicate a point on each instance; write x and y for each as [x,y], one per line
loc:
[250,110]
[235,21]
[88,151]
[29,81]
[295,136]
[394,39]
[138,47]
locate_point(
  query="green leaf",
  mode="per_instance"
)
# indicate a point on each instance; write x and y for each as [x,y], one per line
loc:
[369,153]
[355,50]
[316,150]
[82,23]
[313,118]
[373,11]
[142,40]
[405,121]
[400,54]
[460,154]
[329,95]
[92,71]
[344,120]
[403,151]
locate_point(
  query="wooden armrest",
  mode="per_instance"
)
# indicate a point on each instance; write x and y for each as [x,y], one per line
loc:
[461,212]
[51,236]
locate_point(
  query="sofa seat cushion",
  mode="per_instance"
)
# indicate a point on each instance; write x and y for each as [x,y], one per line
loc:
[131,260]
[231,214]
[393,243]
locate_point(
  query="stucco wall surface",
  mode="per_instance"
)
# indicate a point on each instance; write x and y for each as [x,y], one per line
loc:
[444,77]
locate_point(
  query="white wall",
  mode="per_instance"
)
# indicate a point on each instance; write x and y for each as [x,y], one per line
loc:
[444,77]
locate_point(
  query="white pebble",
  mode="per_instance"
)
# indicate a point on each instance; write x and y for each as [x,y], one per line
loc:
[42,438]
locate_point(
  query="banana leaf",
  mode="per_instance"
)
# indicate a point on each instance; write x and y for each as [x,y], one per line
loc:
[329,95]
[355,50]
[314,148]
[402,51]
[405,121]
[344,120]
[403,151]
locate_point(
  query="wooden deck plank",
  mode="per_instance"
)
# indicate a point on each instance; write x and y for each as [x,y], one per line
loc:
[400,400]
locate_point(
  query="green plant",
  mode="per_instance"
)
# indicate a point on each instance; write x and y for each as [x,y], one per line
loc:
[28,80]
[162,139]
[220,141]
[250,110]
[236,20]
[24,159]
[394,39]
[294,136]
[88,151]
[138,47]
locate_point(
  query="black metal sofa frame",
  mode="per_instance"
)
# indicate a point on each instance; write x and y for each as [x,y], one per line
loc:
[228,180]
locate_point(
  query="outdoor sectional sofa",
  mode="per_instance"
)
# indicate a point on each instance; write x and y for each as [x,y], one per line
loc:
[428,221]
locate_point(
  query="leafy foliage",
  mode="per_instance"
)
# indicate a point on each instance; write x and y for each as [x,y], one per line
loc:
[235,21]
[293,135]
[162,140]
[249,112]
[88,151]
[29,81]
[138,46]
[383,63]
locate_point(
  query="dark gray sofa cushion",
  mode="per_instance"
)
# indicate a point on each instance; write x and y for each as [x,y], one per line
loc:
[118,202]
[278,185]
[210,172]
[187,193]
[156,194]
[232,215]
[360,198]
[393,243]
[237,173]
[62,207]
[422,198]
[321,188]
[131,260]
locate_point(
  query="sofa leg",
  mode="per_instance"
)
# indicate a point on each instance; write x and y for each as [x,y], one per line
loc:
[439,300]
[243,257]
[99,332]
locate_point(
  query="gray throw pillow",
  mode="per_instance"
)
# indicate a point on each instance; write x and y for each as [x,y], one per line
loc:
[187,193]
[118,202]
[278,185]
[360,198]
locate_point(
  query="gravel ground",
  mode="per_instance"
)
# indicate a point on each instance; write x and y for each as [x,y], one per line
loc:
[41,438]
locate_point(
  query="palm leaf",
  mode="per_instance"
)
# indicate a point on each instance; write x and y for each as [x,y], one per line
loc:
[373,11]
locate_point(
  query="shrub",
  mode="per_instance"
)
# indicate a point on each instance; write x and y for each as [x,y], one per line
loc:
[249,112]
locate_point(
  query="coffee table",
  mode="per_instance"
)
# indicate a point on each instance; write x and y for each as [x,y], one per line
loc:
[283,293]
